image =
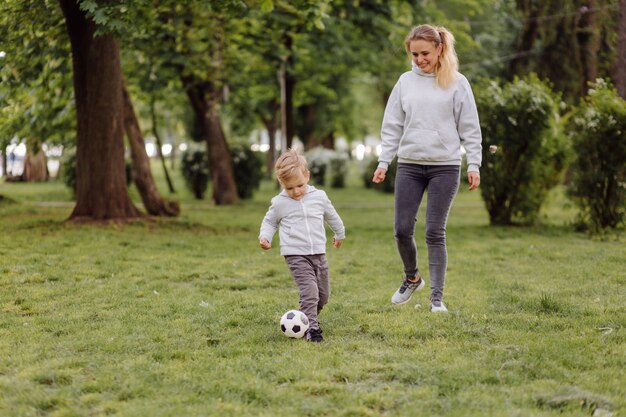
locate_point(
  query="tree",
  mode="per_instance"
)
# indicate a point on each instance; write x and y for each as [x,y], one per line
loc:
[566,42]
[101,190]
[152,200]
[36,103]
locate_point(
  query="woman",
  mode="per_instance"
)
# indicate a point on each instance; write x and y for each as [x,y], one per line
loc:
[431,112]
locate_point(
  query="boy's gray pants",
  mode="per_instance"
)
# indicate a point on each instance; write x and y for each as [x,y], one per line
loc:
[310,272]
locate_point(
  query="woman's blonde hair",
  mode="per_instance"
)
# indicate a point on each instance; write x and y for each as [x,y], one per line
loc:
[448,63]
[288,164]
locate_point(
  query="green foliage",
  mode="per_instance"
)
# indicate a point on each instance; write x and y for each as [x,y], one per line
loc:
[387,186]
[521,119]
[68,168]
[36,92]
[247,168]
[195,169]
[598,133]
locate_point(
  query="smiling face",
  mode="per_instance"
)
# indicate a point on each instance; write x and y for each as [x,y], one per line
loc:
[296,184]
[425,54]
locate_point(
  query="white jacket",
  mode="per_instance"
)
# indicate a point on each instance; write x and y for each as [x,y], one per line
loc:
[426,124]
[301,222]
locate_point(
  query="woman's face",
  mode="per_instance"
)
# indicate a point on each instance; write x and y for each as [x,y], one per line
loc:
[425,54]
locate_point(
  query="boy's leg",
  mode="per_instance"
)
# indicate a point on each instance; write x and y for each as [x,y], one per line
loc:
[303,273]
[323,280]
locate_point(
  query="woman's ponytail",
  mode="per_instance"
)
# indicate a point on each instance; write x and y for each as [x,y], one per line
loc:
[448,61]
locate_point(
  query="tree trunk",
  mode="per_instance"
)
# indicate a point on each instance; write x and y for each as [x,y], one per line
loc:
[589,45]
[35,166]
[142,175]
[271,125]
[620,65]
[204,100]
[101,190]
[159,143]
[520,64]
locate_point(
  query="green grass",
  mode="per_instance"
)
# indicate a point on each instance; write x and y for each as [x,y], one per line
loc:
[179,317]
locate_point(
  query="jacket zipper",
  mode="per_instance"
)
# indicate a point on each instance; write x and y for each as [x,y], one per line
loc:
[306,222]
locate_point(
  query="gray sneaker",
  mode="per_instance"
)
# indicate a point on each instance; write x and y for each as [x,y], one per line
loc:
[437,306]
[404,293]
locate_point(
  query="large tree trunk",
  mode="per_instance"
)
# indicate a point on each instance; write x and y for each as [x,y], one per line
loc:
[204,101]
[142,175]
[101,190]
[620,65]
[589,41]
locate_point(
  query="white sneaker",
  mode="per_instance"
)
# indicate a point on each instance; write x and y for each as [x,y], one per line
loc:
[406,290]
[437,306]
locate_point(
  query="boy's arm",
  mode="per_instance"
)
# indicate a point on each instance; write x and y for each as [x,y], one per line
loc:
[334,221]
[269,225]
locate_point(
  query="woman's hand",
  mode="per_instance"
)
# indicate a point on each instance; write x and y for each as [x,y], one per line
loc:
[379,175]
[474,180]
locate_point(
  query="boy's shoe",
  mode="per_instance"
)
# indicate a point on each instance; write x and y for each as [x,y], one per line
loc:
[314,335]
[406,290]
[437,306]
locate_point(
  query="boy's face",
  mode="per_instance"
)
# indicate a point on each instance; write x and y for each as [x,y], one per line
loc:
[296,185]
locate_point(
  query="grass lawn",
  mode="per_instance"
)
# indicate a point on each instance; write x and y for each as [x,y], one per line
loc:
[179,317]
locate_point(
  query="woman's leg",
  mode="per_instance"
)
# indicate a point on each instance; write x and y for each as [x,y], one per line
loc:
[443,184]
[409,190]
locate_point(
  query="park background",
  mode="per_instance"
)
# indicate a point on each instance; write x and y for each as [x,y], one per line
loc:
[132,283]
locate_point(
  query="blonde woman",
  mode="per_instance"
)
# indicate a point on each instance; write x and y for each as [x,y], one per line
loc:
[430,113]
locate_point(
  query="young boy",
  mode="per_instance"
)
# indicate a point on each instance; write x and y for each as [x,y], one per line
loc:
[299,212]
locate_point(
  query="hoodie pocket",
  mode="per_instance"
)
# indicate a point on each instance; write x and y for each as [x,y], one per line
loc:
[423,145]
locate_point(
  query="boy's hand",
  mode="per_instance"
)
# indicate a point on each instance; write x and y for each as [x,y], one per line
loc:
[337,243]
[265,244]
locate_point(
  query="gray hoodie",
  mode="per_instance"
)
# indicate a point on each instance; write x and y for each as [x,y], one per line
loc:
[301,222]
[426,124]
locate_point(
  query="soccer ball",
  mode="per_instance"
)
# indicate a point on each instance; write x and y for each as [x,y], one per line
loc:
[294,324]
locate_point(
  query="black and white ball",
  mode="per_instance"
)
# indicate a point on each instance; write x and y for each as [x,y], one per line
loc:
[294,323]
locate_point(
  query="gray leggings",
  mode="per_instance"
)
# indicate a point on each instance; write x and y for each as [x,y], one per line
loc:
[442,183]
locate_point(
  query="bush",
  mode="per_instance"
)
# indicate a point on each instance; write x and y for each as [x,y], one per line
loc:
[338,172]
[322,161]
[248,169]
[195,169]
[598,133]
[386,186]
[521,119]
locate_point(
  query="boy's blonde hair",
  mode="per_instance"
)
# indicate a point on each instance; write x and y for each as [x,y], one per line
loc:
[288,164]
[448,63]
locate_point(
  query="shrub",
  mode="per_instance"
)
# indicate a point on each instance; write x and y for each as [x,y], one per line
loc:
[338,171]
[248,169]
[598,133]
[521,119]
[386,186]
[195,169]
[322,161]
